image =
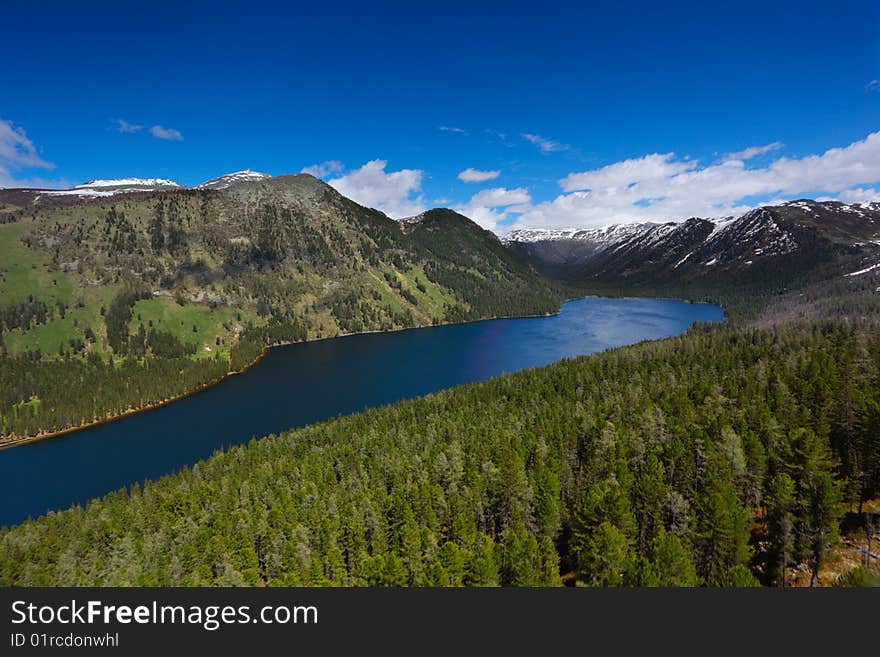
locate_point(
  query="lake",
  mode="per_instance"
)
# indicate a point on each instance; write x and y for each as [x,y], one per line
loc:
[304,383]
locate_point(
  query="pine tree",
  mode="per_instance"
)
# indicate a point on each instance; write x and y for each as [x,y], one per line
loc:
[672,562]
[821,521]
[521,562]
[817,496]
[780,505]
[483,566]
[605,558]
[722,524]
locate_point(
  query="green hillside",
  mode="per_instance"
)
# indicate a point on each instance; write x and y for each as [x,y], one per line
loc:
[199,281]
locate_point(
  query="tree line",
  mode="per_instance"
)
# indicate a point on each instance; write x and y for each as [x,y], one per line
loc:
[721,457]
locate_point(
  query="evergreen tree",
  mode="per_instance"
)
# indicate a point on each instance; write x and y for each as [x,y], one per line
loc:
[672,562]
[780,510]
[722,524]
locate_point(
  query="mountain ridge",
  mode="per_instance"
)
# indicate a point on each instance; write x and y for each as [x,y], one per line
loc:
[199,281]
[777,243]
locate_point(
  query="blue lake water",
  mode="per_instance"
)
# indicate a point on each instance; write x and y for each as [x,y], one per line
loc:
[300,384]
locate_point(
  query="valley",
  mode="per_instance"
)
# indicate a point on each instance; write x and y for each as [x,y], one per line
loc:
[748,261]
[736,454]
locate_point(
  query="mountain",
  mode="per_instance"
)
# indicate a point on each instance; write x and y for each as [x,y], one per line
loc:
[555,252]
[774,245]
[223,182]
[115,186]
[268,246]
[138,184]
[15,202]
[202,279]
[613,233]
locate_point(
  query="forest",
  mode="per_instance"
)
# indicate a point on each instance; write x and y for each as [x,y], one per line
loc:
[727,456]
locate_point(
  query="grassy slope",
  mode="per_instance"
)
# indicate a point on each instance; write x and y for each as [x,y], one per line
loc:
[291,251]
[64,254]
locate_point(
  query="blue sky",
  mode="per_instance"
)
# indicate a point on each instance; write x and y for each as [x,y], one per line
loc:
[589,114]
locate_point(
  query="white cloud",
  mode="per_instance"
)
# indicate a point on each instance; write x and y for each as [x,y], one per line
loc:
[449,128]
[124,126]
[856,195]
[17,151]
[621,174]
[17,154]
[754,151]
[500,197]
[873,85]
[324,168]
[490,207]
[168,134]
[8,181]
[546,145]
[470,175]
[661,187]
[397,194]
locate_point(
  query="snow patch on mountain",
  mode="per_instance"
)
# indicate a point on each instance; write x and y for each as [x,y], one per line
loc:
[682,261]
[722,224]
[113,186]
[414,219]
[536,234]
[863,271]
[128,182]
[85,193]
[606,235]
[248,175]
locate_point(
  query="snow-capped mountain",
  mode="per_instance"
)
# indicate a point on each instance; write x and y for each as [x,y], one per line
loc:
[248,175]
[595,235]
[113,186]
[790,237]
[152,183]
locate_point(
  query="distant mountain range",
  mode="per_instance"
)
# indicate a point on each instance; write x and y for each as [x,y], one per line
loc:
[114,186]
[771,243]
[768,245]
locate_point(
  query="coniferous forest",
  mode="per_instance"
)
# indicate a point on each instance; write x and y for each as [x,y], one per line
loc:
[728,456]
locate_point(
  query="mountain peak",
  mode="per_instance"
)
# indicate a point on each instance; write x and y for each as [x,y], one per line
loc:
[433,213]
[769,240]
[222,182]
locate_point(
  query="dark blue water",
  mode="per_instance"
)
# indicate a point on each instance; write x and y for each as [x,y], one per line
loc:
[305,383]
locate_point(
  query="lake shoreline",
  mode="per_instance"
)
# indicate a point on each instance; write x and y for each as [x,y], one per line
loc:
[26,440]
[318,381]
